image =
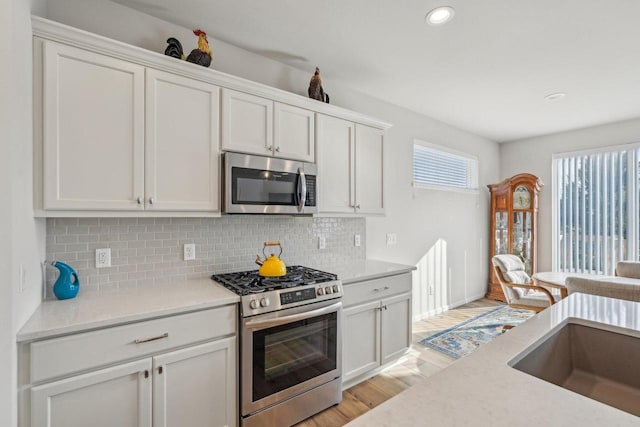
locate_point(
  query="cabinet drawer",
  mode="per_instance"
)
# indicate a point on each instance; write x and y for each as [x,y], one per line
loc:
[376,289]
[74,353]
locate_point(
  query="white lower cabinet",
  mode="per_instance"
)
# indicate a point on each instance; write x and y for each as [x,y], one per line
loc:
[377,326]
[192,386]
[196,386]
[118,396]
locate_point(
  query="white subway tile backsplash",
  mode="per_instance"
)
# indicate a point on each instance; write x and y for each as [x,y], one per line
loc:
[148,251]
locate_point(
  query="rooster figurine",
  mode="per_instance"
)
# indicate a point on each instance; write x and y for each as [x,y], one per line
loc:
[201,55]
[315,88]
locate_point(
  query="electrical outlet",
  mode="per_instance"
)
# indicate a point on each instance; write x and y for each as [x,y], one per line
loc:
[356,240]
[392,239]
[103,257]
[322,242]
[189,251]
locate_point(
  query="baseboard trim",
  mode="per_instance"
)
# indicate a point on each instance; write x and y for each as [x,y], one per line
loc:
[447,307]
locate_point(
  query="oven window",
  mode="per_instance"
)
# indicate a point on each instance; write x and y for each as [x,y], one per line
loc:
[291,354]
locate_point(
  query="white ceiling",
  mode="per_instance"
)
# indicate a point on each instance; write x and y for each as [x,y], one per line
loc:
[487,71]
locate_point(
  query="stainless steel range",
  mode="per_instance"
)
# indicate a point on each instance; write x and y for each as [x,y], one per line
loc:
[290,344]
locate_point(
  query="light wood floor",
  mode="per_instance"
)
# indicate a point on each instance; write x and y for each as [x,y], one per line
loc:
[421,362]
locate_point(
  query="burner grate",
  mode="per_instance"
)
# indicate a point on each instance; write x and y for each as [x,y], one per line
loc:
[248,282]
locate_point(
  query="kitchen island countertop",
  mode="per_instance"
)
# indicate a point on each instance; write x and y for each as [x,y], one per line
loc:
[483,390]
[98,309]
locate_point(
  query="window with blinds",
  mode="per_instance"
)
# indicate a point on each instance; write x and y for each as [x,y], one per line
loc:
[596,219]
[436,167]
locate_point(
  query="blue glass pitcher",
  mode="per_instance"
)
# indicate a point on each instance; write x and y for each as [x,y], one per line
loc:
[68,284]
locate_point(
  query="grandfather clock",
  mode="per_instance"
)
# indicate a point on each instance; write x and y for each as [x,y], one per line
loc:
[513,223]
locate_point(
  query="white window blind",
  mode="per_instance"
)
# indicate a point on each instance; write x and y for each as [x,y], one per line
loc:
[440,168]
[596,217]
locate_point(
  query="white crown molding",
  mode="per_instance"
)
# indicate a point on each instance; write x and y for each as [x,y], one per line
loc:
[54,31]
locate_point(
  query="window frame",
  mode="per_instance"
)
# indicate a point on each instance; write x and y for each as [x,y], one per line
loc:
[450,151]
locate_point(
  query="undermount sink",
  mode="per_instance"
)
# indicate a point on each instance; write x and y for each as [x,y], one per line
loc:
[595,363]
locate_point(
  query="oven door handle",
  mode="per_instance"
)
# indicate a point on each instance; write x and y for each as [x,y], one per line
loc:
[270,323]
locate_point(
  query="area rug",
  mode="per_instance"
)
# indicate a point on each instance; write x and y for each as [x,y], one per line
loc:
[466,337]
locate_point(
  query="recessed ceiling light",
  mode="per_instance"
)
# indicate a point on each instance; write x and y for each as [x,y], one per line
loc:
[440,15]
[555,96]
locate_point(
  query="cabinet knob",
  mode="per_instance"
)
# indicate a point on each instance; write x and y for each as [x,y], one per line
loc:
[268,148]
[139,200]
[150,200]
[278,149]
[358,206]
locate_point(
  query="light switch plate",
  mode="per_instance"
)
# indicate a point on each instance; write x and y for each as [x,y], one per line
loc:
[356,240]
[103,257]
[392,239]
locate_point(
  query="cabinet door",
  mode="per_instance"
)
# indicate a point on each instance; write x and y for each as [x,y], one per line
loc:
[361,339]
[368,171]
[196,386]
[335,140]
[93,136]
[182,152]
[247,123]
[395,326]
[294,132]
[118,396]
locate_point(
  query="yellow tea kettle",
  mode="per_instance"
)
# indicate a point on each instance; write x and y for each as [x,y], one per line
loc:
[272,266]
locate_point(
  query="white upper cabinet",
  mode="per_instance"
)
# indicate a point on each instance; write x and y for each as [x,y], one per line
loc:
[255,125]
[350,158]
[182,151]
[93,130]
[247,123]
[335,164]
[293,132]
[369,177]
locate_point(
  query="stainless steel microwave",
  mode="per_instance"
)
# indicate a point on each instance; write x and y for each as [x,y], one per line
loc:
[266,185]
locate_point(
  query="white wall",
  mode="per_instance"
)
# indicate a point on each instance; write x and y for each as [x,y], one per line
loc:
[534,155]
[426,222]
[21,237]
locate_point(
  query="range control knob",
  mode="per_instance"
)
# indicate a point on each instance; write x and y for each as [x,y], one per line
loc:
[254,304]
[264,302]
[320,291]
[328,290]
[336,289]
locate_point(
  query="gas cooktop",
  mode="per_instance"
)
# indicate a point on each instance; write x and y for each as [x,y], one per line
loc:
[249,282]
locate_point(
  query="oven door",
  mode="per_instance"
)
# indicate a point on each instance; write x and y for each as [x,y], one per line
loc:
[255,184]
[287,352]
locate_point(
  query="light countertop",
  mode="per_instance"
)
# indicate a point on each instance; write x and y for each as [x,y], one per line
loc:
[99,309]
[94,309]
[482,389]
[368,269]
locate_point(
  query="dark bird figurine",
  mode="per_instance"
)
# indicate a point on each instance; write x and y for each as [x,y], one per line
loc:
[174,48]
[202,54]
[315,88]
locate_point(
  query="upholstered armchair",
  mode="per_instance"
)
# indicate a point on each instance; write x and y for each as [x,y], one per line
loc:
[517,285]
[626,284]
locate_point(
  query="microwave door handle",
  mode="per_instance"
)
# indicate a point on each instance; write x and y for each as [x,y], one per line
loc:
[303,193]
[270,323]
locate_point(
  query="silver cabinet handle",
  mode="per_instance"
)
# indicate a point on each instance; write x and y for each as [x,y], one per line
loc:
[268,148]
[144,340]
[380,289]
[357,206]
[139,200]
[278,149]
[150,200]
